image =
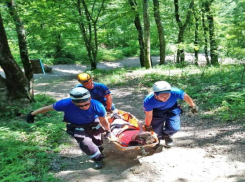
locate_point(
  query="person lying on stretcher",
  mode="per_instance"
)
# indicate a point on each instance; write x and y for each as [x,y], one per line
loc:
[129,135]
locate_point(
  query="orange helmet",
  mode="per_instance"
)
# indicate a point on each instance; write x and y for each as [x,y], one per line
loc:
[83,77]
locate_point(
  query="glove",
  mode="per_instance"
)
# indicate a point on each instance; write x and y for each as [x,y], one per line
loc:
[30,118]
[149,128]
[110,136]
[194,109]
[109,111]
[107,134]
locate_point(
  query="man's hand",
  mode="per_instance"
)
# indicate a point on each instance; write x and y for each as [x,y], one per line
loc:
[109,111]
[30,118]
[194,109]
[149,128]
[110,136]
[107,134]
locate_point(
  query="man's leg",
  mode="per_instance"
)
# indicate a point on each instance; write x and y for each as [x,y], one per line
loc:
[172,126]
[96,136]
[89,147]
[98,141]
[157,125]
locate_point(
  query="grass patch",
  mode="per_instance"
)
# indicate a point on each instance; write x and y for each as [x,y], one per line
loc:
[28,149]
[110,55]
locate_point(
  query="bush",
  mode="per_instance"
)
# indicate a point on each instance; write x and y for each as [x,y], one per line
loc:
[109,54]
[130,51]
[35,142]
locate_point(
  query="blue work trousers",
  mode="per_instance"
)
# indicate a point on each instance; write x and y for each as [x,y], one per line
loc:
[166,123]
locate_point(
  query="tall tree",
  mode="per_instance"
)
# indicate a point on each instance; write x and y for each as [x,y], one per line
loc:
[88,26]
[196,46]
[182,26]
[212,38]
[139,28]
[22,45]
[146,34]
[235,35]
[15,81]
[205,34]
[160,30]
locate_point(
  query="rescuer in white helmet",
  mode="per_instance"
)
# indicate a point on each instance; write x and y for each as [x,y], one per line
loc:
[162,112]
[86,120]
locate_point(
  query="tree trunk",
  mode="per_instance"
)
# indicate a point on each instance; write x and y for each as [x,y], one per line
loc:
[213,44]
[87,25]
[95,47]
[182,27]
[16,83]
[22,46]
[180,52]
[138,26]
[146,34]
[196,49]
[205,30]
[160,31]
[58,47]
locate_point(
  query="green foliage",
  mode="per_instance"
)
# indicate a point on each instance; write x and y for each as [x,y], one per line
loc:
[218,91]
[43,99]
[129,51]
[110,54]
[31,161]
[53,33]
[110,77]
[7,111]
[35,144]
[11,111]
[155,52]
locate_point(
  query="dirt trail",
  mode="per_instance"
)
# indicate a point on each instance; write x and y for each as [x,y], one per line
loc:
[204,151]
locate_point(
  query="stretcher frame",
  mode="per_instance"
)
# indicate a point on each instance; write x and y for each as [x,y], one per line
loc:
[134,121]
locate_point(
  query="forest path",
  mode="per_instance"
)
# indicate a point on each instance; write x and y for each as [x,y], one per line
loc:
[204,151]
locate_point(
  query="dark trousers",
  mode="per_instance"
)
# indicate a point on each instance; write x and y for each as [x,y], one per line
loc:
[88,137]
[166,123]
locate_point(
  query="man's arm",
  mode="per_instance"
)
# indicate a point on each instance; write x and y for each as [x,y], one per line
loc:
[43,110]
[108,101]
[192,105]
[30,116]
[104,122]
[148,117]
[189,100]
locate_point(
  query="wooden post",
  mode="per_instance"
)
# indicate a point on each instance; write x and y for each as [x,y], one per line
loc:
[37,66]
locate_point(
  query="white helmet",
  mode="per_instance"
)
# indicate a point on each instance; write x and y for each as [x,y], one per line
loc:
[161,87]
[79,94]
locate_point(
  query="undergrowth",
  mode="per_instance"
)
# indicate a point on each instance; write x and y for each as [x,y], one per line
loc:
[28,149]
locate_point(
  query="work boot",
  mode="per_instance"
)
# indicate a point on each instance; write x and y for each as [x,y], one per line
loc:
[168,141]
[101,148]
[98,164]
[158,144]
[102,155]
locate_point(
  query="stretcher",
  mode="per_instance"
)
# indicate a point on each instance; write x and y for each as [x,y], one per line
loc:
[128,117]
